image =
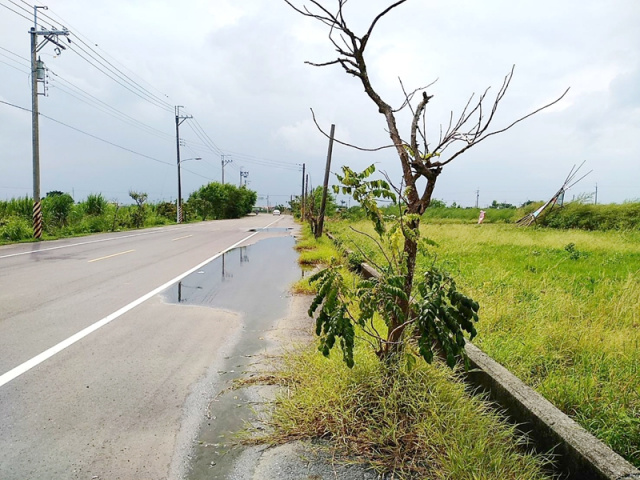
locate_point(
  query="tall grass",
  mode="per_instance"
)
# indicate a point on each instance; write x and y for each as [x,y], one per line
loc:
[16,207]
[561,310]
[63,218]
[420,422]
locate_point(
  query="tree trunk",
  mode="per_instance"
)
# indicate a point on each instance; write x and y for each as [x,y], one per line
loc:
[396,330]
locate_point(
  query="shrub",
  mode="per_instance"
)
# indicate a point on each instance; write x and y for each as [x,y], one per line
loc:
[167,210]
[15,228]
[95,204]
[56,208]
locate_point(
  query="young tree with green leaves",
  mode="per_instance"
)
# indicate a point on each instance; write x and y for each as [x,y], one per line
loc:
[431,306]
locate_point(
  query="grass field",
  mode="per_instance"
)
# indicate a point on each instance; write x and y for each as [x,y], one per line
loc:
[560,309]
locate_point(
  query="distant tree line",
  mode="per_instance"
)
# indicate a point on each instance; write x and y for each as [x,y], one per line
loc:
[578,214]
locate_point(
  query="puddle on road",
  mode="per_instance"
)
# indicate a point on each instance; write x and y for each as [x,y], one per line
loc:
[272,229]
[253,281]
[249,279]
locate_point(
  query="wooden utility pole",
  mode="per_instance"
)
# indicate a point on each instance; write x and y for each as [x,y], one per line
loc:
[326,184]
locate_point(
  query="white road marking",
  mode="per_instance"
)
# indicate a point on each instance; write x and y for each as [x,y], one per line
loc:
[77,244]
[47,354]
[110,256]
[83,243]
[180,238]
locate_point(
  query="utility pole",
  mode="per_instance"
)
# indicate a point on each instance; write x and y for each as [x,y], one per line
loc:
[302,199]
[306,194]
[179,120]
[37,75]
[596,202]
[326,183]
[225,161]
[243,174]
[477,197]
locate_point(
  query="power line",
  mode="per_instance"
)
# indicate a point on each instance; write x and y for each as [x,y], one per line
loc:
[84,39]
[143,127]
[89,134]
[14,67]
[27,61]
[101,105]
[150,97]
[122,79]
[115,78]
[14,11]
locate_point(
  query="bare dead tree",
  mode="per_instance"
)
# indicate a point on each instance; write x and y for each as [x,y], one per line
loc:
[420,157]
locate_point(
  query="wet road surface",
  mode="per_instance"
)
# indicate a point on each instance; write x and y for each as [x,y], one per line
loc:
[124,396]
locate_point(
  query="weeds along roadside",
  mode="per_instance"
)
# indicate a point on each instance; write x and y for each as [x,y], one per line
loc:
[560,309]
[423,425]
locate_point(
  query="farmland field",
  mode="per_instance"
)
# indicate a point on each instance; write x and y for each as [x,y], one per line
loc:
[559,308]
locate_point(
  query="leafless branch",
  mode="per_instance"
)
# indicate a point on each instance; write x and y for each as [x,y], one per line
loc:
[365,38]
[474,140]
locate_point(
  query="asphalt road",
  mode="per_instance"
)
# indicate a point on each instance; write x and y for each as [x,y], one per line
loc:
[95,368]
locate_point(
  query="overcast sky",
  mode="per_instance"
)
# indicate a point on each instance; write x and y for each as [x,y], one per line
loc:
[238,68]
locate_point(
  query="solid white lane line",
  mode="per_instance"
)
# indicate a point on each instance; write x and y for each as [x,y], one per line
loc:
[85,243]
[110,256]
[180,238]
[38,359]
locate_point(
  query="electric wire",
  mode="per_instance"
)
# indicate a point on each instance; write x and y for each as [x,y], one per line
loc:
[25,59]
[119,82]
[204,140]
[16,68]
[144,128]
[88,134]
[195,120]
[203,136]
[83,39]
[16,12]
[119,78]
[111,110]
[114,112]
[106,64]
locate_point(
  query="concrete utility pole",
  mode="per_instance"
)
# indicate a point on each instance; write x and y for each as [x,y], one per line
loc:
[596,202]
[225,161]
[37,75]
[477,197]
[179,120]
[243,174]
[302,199]
[326,183]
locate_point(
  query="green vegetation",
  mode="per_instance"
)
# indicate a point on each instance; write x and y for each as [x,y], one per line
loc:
[574,215]
[313,205]
[64,218]
[595,217]
[217,201]
[560,309]
[424,424]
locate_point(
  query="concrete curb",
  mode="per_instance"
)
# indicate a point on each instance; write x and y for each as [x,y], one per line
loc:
[580,455]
